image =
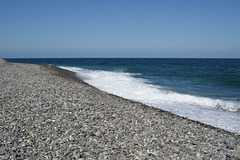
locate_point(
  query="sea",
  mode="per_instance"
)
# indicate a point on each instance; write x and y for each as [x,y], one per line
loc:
[205,90]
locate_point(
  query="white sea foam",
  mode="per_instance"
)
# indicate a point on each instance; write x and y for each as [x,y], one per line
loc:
[215,112]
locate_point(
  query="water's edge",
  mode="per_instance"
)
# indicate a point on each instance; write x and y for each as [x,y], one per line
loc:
[162,109]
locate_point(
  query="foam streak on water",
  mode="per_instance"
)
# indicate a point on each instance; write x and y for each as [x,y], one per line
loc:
[219,113]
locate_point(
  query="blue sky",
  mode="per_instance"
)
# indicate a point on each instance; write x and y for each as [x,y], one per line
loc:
[120,28]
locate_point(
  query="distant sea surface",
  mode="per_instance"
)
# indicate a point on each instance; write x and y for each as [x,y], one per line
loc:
[205,90]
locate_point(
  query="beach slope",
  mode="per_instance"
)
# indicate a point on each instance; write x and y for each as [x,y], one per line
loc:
[48,113]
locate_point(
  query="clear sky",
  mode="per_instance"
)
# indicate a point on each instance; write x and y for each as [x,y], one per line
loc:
[120,28]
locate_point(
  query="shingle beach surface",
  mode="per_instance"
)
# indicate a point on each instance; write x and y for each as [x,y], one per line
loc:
[47,113]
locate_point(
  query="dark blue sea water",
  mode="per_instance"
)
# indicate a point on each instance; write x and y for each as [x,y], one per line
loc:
[206,90]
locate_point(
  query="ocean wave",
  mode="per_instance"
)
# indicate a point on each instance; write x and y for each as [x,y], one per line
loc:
[219,113]
[125,85]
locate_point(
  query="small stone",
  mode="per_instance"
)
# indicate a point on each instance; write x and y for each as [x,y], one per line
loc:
[198,154]
[6,157]
[236,153]
[98,133]
[176,149]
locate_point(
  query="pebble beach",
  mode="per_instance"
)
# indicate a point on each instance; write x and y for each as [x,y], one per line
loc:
[48,113]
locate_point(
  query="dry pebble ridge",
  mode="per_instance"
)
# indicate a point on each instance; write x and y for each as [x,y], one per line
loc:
[47,113]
